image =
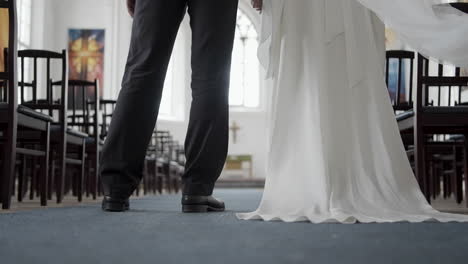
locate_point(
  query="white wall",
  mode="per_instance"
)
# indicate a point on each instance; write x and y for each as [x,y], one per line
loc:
[53,18]
[61,15]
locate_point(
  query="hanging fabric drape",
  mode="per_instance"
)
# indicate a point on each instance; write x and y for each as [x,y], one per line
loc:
[440,32]
[270,40]
[335,151]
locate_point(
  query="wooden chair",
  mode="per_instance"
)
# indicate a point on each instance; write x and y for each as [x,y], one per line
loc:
[152,180]
[445,167]
[164,154]
[18,121]
[437,118]
[177,165]
[107,108]
[400,85]
[68,145]
[443,160]
[164,164]
[398,81]
[402,99]
[84,116]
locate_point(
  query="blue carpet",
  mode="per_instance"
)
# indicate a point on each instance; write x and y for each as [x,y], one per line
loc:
[155,231]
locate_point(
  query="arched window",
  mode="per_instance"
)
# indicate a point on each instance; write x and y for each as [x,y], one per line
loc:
[245,77]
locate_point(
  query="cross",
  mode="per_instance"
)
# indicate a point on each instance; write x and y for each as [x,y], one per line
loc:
[234,128]
[85,54]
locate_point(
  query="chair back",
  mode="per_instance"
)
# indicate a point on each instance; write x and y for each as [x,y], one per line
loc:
[152,150]
[179,153]
[399,78]
[164,144]
[434,85]
[107,108]
[83,106]
[44,97]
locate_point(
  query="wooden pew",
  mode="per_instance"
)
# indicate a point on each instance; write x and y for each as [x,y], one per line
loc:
[176,165]
[15,121]
[107,108]
[164,153]
[68,145]
[85,116]
[438,118]
[153,178]
[437,153]
[402,99]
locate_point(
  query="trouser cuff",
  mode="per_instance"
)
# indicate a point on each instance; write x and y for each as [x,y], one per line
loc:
[198,189]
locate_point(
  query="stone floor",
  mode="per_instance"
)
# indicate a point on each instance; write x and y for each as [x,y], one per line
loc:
[155,231]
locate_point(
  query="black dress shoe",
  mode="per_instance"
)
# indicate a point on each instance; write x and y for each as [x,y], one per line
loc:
[112,204]
[201,204]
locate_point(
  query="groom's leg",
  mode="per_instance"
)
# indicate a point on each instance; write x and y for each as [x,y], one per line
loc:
[155,27]
[213,26]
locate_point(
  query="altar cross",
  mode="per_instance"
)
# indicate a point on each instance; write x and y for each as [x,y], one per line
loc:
[234,128]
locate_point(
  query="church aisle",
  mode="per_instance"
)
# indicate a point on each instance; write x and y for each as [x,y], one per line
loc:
[155,231]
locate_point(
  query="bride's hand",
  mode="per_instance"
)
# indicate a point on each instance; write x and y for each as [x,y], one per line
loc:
[131,7]
[257,4]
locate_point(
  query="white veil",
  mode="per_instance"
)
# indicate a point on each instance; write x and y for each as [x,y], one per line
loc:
[440,32]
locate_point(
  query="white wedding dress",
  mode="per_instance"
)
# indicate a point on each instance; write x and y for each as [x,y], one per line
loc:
[335,150]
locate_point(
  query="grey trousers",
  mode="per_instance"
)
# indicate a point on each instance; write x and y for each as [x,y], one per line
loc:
[155,26]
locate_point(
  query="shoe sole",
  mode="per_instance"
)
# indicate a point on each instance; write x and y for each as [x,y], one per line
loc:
[200,209]
[114,207]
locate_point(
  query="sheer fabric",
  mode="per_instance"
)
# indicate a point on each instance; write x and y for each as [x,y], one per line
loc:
[335,150]
[436,30]
[425,25]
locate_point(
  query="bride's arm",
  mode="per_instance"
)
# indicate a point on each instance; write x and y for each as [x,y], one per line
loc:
[257,4]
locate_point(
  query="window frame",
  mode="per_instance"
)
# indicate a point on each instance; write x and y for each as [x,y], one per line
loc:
[254,20]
